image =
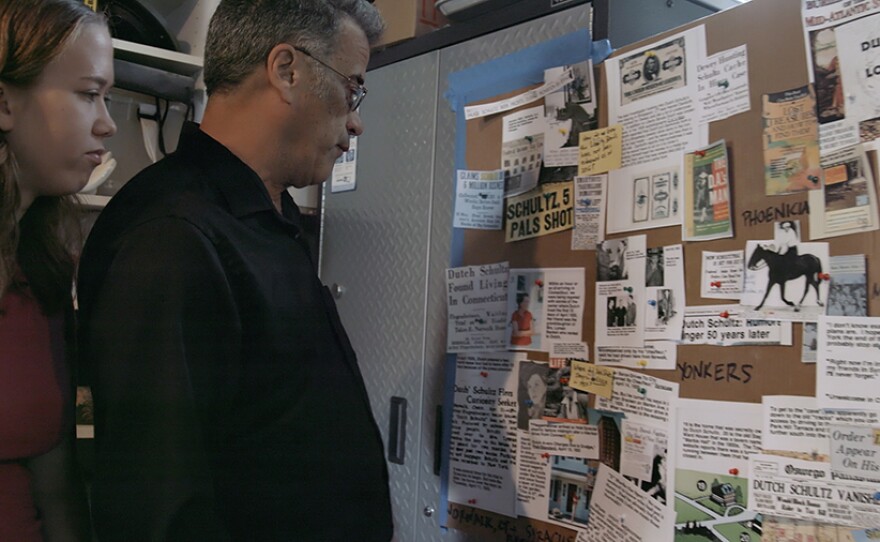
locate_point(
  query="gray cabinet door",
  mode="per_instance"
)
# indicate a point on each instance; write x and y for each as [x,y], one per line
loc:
[387,244]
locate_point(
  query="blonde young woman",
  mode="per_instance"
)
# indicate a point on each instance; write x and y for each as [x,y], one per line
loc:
[56,66]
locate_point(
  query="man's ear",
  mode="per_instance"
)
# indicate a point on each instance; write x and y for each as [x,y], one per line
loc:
[6,117]
[282,67]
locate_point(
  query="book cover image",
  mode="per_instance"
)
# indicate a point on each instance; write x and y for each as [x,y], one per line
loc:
[791,142]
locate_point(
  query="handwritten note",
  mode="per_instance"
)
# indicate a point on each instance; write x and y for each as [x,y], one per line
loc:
[600,150]
[592,378]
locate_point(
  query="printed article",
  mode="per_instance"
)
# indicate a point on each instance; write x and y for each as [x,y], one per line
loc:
[554,488]
[786,282]
[725,325]
[567,439]
[344,176]
[652,94]
[620,512]
[793,488]
[841,62]
[522,150]
[796,424]
[542,211]
[644,457]
[723,84]
[544,307]
[589,211]
[479,200]
[657,355]
[476,304]
[568,112]
[847,373]
[493,108]
[483,441]
[847,296]
[664,282]
[707,212]
[847,202]
[642,396]
[722,276]
[715,440]
[620,292]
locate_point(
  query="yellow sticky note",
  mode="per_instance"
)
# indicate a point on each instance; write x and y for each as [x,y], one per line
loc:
[600,150]
[592,378]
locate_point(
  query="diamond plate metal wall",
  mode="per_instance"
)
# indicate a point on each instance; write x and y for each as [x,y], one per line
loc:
[375,245]
[454,59]
[388,244]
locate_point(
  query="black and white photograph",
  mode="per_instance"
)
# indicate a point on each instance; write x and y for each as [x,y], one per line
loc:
[654,267]
[786,280]
[531,392]
[665,306]
[621,311]
[611,260]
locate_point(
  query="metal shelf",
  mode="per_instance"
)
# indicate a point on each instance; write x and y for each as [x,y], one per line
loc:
[516,13]
[154,57]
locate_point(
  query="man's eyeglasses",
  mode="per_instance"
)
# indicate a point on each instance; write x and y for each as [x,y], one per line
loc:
[358,90]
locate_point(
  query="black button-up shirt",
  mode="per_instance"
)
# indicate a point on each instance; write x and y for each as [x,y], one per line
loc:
[228,400]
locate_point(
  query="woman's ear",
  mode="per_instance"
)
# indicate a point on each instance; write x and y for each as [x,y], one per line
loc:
[6,117]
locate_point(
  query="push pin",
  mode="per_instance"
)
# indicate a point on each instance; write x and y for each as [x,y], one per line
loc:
[539,282]
[628,289]
[622,519]
[569,438]
[734,472]
[545,455]
[643,363]
[563,380]
[715,284]
[472,501]
[484,374]
[643,391]
[529,402]
[824,276]
[877,496]
[652,302]
[700,153]
[563,132]
[724,314]
[529,139]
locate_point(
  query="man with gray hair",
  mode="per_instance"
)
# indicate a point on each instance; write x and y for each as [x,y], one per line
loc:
[228,400]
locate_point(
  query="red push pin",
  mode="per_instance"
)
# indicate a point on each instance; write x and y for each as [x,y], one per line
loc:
[484,374]
[734,472]
[715,284]
[724,314]
[545,455]
[472,501]
[539,282]
[824,276]
[563,381]
[700,153]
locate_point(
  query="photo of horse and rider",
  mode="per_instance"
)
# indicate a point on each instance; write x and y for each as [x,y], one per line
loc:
[786,278]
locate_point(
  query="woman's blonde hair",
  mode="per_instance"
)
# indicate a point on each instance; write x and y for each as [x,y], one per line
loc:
[32,34]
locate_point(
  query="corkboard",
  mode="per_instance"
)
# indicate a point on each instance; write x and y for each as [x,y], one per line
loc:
[772,31]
